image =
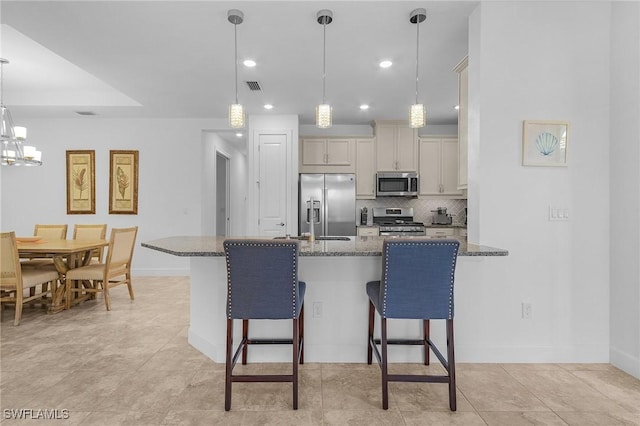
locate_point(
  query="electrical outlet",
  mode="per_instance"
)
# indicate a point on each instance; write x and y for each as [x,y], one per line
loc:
[317,309]
[526,310]
[558,213]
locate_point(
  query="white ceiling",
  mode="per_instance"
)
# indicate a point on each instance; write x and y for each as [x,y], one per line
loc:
[174,59]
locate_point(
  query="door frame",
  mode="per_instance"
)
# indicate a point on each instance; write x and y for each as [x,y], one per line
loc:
[227,159]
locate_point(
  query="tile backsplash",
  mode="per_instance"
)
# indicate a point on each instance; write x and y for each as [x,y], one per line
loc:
[421,207]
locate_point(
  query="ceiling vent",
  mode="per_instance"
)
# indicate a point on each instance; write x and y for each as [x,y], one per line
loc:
[85,113]
[254,86]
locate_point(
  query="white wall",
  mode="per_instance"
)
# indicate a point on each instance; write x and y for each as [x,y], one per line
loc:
[212,143]
[534,61]
[169,201]
[625,187]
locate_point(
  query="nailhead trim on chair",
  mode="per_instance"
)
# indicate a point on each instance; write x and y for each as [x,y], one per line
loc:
[418,243]
[263,244]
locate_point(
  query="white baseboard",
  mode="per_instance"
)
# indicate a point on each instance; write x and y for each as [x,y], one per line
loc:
[625,362]
[157,272]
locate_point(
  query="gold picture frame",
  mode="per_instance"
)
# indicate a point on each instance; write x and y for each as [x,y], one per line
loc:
[123,182]
[545,143]
[81,182]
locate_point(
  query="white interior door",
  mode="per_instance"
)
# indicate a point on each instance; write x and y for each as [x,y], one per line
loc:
[272,184]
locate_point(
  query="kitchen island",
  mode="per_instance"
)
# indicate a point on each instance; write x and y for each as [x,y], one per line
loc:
[336,303]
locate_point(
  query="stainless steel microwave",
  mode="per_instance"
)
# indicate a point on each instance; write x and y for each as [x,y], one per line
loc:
[397,184]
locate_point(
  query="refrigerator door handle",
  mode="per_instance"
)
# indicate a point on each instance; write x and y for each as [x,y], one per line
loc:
[325,222]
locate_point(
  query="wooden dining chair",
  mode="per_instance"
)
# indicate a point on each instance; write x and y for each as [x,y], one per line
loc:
[52,232]
[91,232]
[14,279]
[116,269]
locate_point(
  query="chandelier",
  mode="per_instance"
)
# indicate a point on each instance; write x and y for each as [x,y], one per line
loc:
[236,111]
[14,151]
[323,110]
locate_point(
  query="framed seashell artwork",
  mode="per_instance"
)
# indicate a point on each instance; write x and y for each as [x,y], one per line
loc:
[123,182]
[545,143]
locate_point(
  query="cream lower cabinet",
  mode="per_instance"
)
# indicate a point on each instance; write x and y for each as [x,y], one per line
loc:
[365,169]
[440,232]
[368,231]
[439,166]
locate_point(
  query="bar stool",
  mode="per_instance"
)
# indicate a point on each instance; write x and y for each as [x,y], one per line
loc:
[417,283]
[262,283]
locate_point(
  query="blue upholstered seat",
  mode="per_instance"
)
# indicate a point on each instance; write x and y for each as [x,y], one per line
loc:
[262,283]
[416,283]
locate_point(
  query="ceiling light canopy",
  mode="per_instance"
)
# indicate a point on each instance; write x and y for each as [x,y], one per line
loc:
[236,110]
[323,111]
[417,113]
[14,151]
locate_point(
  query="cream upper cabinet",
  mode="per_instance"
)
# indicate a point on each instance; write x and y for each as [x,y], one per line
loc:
[365,168]
[463,122]
[323,152]
[327,155]
[396,146]
[439,166]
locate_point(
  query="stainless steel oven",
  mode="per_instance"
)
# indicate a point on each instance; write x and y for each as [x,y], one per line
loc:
[397,184]
[397,222]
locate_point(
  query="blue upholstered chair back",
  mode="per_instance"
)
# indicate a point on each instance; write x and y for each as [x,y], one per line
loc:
[417,278]
[262,279]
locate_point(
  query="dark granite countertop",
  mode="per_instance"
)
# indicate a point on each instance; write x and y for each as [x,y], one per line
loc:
[356,246]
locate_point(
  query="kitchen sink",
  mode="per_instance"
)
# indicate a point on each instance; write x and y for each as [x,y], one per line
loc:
[320,238]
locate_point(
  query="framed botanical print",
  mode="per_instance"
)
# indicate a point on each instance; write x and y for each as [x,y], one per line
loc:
[81,182]
[545,143]
[123,182]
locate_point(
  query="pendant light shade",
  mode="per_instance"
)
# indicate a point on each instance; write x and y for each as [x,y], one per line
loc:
[236,110]
[324,110]
[417,113]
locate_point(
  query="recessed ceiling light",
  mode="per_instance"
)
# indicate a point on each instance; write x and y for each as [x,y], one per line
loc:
[385,64]
[239,135]
[456,107]
[250,63]
[268,106]
[364,106]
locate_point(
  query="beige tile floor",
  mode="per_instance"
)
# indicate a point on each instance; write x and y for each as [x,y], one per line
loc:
[133,366]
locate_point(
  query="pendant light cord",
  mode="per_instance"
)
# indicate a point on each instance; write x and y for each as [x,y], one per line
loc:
[1,83]
[324,56]
[417,53]
[235,39]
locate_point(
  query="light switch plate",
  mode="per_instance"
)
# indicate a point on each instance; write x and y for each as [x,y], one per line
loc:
[558,213]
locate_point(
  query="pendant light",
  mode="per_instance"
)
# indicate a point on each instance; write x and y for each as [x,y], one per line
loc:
[236,111]
[323,111]
[417,113]
[13,151]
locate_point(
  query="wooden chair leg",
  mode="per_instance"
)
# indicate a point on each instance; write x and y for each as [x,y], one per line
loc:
[452,366]
[426,334]
[228,366]
[245,337]
[370,335]
[130,285]
[385,379]
[19,296]
[107,298]
[296,353]
[301,333]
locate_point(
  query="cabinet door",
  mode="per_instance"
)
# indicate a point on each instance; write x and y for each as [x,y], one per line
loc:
[463,128]
[338,152]
[313,152]
[406,144]
[449,170]
[365,169]
[386,148]
[430,166]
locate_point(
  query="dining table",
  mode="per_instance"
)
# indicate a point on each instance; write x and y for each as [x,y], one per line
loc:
[67,254]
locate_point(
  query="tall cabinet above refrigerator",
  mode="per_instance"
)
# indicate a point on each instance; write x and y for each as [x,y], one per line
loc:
[329,200]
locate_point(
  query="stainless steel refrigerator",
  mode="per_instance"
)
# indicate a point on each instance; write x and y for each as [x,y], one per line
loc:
[329,200]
